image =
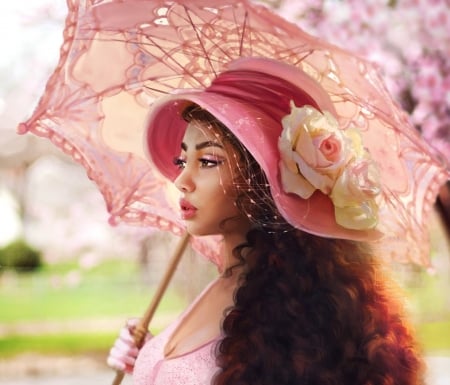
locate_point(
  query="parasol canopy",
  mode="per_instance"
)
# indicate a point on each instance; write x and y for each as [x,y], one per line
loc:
[119,56]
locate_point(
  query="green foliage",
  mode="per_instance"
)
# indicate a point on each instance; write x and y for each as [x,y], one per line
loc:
[112,289]
[435,337]
[63,343]
[20,256]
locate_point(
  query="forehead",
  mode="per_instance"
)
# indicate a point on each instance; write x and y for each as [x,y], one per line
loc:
[200,131]
[213,139]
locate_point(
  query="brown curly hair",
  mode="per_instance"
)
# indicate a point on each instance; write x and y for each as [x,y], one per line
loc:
[315,311]
[308,310]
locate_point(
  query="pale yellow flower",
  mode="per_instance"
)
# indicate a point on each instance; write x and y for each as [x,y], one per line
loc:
[354,195]
[313,151]
[317,155]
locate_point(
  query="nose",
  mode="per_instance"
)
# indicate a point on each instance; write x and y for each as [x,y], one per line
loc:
[184,181]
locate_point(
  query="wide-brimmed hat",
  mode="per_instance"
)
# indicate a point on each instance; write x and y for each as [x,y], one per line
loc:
[254,98]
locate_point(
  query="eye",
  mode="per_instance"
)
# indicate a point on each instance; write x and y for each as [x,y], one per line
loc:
[179,162]
[210,163]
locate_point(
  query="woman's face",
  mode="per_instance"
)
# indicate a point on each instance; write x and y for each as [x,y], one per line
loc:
[207,171]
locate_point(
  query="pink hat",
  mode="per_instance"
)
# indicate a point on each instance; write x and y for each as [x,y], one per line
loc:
[251,98]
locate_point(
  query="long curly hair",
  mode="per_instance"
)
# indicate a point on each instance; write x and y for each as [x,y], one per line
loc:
[308,310]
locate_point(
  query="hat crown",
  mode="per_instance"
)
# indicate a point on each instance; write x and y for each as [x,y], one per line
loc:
[268,94]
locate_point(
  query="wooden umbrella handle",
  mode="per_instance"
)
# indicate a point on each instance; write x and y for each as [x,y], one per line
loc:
[142,326]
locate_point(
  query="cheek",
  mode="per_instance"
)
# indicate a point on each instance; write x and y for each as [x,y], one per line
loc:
[226,182]
[226,196]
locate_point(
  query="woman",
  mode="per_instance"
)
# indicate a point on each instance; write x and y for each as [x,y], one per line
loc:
[261,159]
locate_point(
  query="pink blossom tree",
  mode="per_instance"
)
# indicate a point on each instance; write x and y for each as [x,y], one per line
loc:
[408,39]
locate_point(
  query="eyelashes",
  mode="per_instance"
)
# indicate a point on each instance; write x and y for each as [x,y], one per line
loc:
[179,162]
[204,162]
[210,163]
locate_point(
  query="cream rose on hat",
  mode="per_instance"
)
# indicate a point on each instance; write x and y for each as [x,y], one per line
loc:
[317,155]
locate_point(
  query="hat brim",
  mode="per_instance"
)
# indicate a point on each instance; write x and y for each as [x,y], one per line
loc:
[163,136]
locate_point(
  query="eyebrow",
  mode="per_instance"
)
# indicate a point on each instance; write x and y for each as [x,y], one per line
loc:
[199,146]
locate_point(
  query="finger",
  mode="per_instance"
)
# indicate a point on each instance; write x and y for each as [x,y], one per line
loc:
[117,356]
[116,364]
[129,334]
[124,349]
[126,336]
[132,322]
[119,365]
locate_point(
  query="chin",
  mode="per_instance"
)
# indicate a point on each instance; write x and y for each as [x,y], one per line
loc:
[200,231]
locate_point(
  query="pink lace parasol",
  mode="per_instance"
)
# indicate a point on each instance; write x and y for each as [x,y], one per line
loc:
[118,56]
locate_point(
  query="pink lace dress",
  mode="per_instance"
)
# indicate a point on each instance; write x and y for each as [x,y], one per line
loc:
[196,367]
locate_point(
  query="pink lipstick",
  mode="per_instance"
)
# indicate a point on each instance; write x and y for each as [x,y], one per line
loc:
[187,210]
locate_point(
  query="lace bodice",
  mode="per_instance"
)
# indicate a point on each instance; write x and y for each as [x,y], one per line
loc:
[196,367]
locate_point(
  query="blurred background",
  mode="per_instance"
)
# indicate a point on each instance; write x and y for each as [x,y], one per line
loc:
[68,280]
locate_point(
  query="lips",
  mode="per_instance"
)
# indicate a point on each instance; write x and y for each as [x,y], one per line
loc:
[187,210]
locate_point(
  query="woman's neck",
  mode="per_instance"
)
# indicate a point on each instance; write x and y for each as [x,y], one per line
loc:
[230,242]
